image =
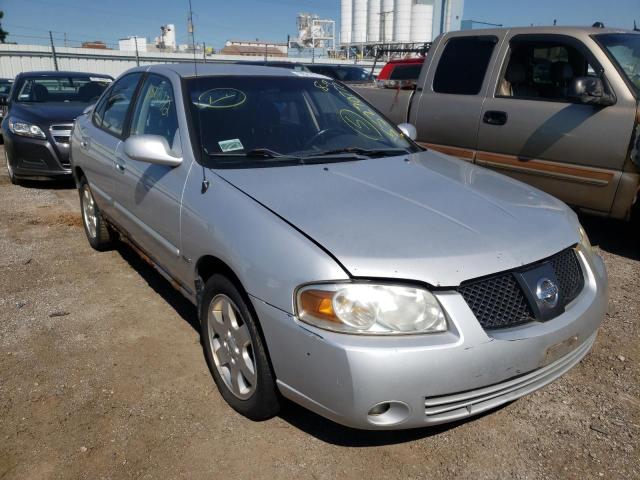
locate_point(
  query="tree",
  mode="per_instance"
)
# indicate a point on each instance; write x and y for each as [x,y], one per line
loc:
[3,33]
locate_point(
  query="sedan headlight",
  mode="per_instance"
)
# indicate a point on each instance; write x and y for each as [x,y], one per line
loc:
[370,309]
[25,129]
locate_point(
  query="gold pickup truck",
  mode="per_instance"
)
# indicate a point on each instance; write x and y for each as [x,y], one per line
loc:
[555,107]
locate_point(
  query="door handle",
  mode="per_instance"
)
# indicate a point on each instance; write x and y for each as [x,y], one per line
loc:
[493,117]
[119,167]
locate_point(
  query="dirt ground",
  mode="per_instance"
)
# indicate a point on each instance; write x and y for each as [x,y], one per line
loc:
[102,376]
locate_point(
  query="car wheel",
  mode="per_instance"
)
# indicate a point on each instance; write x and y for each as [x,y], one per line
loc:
[98,233]
[12,175]
[235,351]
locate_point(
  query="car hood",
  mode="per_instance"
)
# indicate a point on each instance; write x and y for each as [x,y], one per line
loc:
[62,112]
[424,217]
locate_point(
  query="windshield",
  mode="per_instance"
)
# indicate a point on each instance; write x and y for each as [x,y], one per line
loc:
[240,118]
[62,89]
[5,86]
[624,48]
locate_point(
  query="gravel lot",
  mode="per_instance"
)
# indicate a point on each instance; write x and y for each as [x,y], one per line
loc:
[102,376]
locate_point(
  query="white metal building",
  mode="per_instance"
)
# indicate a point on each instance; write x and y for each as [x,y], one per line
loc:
[128,44]
[397,21]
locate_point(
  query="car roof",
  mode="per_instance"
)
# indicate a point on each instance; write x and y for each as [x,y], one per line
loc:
[47,73]
[188,70]
[556,29]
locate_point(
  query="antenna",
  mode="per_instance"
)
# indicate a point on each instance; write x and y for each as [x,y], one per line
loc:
[190,29]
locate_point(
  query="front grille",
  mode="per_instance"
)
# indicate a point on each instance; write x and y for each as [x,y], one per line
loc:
[61,133]
[498,301]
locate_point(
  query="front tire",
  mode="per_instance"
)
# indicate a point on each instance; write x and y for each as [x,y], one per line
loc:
[95,227]
[235,351]
[12,175]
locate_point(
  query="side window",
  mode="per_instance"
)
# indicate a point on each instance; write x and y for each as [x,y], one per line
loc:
[155,111]
[111,113]
[463,65]
[542,70]
[406,72]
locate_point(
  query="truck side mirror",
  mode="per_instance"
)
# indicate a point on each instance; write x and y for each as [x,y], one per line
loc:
[590,91]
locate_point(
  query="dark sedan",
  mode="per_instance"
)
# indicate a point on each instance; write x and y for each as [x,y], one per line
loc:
[5,88]
[344,73]
[41,109]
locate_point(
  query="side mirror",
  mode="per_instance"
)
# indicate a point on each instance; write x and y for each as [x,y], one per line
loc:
[151,149]
[590,91]
[408,130]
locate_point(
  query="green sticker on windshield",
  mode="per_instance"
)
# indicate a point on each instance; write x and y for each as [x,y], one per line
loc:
[222,98]
[231,145]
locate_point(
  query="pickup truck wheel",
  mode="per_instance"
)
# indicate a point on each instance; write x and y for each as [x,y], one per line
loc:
[235,351]
[95,227]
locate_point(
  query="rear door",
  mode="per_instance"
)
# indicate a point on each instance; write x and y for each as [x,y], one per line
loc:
[446,108]
[533,131]
[101,139]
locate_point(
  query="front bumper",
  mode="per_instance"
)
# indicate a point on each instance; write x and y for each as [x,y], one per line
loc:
[35,157]
[430,379]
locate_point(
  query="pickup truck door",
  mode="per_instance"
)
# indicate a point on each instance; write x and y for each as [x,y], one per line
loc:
[451,89]
[151,194]
[531,130]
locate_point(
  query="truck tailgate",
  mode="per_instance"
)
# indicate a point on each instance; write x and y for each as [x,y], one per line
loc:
[392,103]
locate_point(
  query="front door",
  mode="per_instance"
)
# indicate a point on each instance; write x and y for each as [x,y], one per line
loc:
[151,194]
[450,94]
[532,130]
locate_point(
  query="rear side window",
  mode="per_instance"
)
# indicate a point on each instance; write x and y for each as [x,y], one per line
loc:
[111,112]
[463,65]
[406,72]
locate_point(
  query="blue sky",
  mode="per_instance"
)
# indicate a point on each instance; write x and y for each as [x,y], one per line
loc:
[216,21]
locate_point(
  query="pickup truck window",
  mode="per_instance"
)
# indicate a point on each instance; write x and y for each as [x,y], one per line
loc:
[624,49]
[470,55]
[542,70]
[237,119]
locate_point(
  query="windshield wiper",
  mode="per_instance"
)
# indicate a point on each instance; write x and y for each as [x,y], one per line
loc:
[258,153]
[379,152]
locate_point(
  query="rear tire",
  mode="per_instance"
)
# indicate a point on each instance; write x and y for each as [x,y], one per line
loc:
[235,351]
[95,227]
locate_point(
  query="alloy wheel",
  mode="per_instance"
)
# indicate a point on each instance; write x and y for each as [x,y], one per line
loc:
[89,214]
[231,347]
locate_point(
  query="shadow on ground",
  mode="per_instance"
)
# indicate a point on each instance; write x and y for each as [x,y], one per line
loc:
[65,184]
[614,236]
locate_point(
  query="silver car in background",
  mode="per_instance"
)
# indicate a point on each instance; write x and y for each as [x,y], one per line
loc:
[331,259]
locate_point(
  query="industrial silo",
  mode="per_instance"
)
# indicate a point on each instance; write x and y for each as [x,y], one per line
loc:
[345,21]
[386,20]
[402,21]
[373,21]
[421,22]
[359,31]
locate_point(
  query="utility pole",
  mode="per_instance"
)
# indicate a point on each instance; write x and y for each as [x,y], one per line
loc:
[135,41]
[65,39]
[53,51]
[266,52]
[204,52]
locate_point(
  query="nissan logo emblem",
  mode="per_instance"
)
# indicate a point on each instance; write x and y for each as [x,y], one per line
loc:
[547,292]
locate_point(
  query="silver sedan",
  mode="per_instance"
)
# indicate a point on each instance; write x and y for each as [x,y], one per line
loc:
[332,260]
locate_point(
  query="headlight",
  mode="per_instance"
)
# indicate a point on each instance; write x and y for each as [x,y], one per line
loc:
[370,309]
[25,129]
